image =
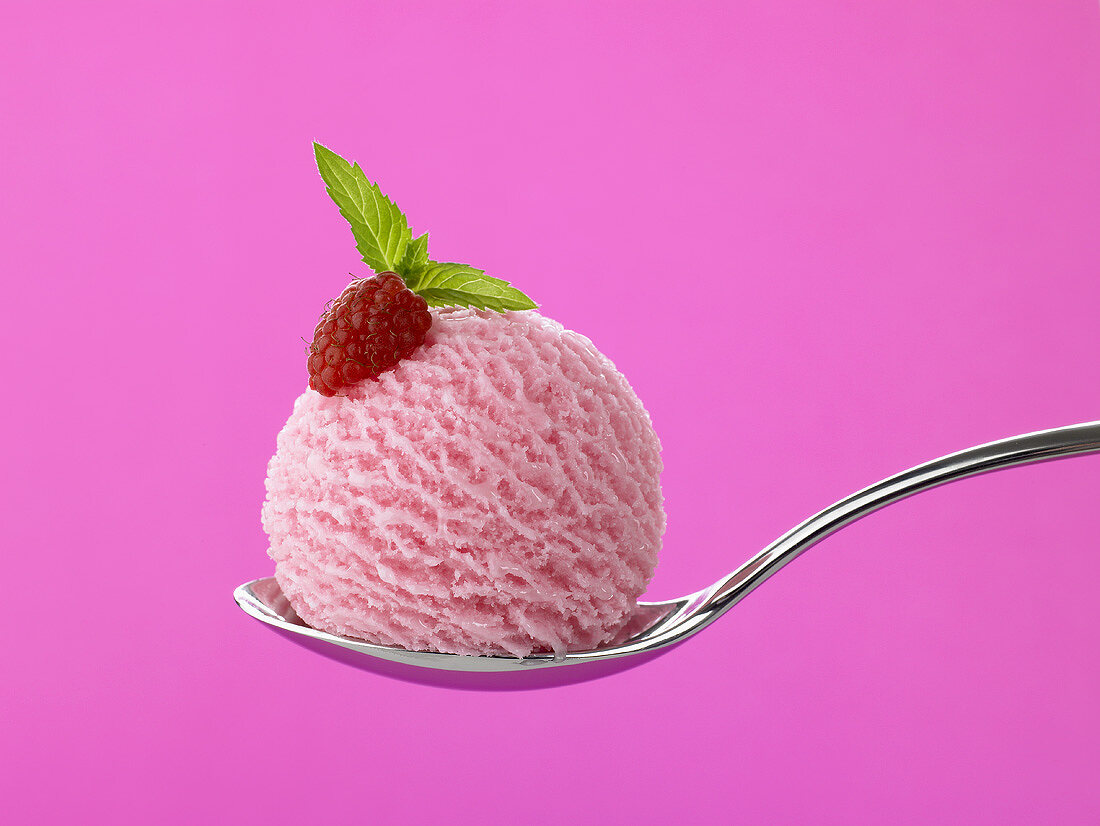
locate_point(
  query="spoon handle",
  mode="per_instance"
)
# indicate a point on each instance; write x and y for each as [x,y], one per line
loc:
[1059,443]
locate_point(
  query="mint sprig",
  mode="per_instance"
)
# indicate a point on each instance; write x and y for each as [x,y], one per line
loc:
[383,238]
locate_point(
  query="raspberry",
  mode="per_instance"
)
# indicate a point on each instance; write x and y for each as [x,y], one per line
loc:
[374,324]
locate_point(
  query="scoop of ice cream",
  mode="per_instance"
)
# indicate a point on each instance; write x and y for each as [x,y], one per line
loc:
[496,493]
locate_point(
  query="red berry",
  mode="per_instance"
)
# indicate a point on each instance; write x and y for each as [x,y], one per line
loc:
[374,324]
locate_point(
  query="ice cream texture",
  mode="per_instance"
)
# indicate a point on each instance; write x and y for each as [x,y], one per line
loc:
[498,492]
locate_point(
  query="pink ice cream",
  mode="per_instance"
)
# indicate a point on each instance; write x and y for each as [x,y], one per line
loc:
[496,493]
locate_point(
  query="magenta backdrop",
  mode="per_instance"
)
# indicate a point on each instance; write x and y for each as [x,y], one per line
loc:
[825,241]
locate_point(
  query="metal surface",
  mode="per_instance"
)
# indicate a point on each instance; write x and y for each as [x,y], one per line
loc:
[660,624]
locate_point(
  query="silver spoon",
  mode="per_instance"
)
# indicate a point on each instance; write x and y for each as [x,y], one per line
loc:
[657,625]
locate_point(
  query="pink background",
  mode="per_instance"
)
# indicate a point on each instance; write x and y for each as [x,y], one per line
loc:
[894,207]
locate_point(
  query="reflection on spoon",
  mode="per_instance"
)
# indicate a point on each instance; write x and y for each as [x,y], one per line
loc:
[657,625]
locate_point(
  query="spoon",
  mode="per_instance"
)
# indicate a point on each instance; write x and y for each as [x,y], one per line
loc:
[657,625]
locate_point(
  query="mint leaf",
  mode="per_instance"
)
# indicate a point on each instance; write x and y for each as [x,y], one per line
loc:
[447,285]
[414,262]
[381,231]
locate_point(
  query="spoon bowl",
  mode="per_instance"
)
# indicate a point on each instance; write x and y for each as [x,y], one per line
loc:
[658,625]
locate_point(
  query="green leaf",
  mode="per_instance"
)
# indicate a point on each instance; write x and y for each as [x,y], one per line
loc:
[414,262]
[381,231]
[447,285]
